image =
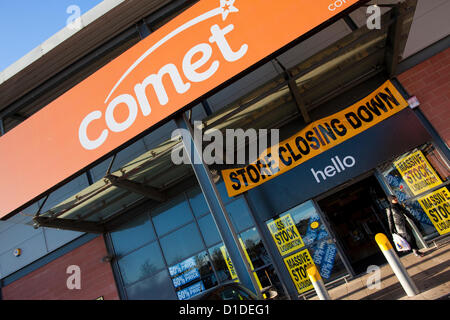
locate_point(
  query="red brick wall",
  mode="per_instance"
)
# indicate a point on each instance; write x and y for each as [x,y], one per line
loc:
[49,281]
[430,82]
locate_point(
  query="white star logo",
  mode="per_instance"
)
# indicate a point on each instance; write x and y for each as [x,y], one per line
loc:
[227,6]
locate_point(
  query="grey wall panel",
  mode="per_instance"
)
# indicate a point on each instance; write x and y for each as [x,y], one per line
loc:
[243,86]
[16,234]
[360,15]
[56,238]
[314,44]
[431,24]
[24,217]
[32,249]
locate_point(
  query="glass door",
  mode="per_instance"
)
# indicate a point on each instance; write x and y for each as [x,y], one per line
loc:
[302,239]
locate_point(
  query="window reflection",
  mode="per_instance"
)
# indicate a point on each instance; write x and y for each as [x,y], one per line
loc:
[180,239]
[157,287]
[240,214]
[234,294]
[171,215]
[304,217]
[181,244]
[270,282]
[327,259]
[198,202]
[133,234]
[218,259]
[209,230]
[141,263]
[192,276]
[252,243]
[316,239]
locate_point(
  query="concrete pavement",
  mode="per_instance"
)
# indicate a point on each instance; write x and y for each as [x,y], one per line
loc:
[431,275]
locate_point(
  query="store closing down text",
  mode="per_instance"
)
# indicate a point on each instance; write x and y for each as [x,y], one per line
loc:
[316,138]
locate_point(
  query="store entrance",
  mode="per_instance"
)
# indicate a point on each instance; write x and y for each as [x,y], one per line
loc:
[356,215]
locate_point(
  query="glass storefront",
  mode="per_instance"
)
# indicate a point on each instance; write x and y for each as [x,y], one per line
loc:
[175,248]
[310,234]
[175,251]
[415,175]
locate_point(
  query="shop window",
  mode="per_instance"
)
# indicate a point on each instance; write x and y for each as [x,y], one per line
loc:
[133,235]
[192,276]
[270,282]
[240,214]
[258,259]
[252,243]
[198,202]
[301,228]
[260,263]
[437,161]
[181,244]
[327,259]
[415,172]
[157,287]
[415,175]
[141,263]
[223,269]
[209,230]
[304,217]
[171,215]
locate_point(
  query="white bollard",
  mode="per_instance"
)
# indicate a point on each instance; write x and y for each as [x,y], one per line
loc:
[396,265]
[317,283]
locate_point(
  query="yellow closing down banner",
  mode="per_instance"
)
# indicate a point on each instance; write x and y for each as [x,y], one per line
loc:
[316,138]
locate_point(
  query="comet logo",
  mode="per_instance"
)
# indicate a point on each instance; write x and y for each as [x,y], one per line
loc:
[138,102]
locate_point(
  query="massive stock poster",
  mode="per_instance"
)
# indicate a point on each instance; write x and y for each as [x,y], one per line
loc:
[287,238]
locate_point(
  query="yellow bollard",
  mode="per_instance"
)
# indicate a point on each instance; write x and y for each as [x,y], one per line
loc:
[317,283]
[396,265]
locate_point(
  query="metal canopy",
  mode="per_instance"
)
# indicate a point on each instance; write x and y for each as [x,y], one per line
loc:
[152,177]
[145,178]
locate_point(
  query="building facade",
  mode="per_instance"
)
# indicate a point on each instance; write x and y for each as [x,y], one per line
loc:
[361,112]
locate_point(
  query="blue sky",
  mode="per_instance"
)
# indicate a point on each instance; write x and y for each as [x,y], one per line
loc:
[24,24]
